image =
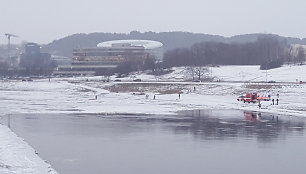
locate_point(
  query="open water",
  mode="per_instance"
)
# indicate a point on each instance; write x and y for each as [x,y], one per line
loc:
[197,142]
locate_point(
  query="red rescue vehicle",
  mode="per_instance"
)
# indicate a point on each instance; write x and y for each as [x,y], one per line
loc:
[249,97]
[253,97]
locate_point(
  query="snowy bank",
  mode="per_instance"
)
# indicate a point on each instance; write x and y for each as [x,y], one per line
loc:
[79,94]
[16,156]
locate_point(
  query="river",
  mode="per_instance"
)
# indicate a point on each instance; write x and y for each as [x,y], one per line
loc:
[202,141]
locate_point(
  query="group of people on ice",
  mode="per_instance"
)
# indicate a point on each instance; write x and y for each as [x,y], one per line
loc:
[274,102]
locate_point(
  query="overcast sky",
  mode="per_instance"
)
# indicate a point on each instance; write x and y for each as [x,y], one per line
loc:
[43,21]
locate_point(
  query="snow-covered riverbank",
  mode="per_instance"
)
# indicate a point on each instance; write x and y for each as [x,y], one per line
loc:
[78,95]
[17,157]
[64,97]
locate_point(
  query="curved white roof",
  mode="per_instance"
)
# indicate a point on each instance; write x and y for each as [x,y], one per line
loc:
[147,44]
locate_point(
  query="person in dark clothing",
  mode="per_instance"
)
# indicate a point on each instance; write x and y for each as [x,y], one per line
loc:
[179,95]
[277,101]
[272,101]
[154,97]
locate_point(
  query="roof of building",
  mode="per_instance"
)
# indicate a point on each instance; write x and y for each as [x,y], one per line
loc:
[147,44]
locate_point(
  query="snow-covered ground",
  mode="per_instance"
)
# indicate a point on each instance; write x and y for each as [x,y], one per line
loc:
[287,73]
[16,156]
[75,95]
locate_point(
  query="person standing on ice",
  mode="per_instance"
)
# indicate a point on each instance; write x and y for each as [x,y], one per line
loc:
[277,101]
[179,96]
[272,101]
[259,105]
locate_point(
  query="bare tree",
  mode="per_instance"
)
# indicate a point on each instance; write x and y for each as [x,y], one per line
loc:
[300,57]
[200,71]
[3,68]
[289,55]
[190,71]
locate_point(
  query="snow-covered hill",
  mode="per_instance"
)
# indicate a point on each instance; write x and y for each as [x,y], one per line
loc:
[286,73]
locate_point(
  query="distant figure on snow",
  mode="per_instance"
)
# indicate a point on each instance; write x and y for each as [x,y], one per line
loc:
[277,101]
[179,96]
[272,101]
[259,105]
[154,97]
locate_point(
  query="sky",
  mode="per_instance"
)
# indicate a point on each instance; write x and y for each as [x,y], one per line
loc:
[43,21]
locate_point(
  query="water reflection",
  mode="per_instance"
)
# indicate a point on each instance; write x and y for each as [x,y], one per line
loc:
[224,125]
[201,124]
[263,126]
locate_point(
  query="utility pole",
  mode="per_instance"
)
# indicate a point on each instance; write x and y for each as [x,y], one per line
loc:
[266,75]
[9,121]
[8,35]
[267,71]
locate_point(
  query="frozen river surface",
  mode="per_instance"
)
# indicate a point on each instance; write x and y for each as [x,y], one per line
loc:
[214,142]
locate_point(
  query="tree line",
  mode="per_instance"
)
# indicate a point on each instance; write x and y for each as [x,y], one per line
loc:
[267,51]
[170,40]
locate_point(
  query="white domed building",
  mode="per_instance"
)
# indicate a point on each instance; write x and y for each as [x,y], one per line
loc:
[154,48]
[108,55]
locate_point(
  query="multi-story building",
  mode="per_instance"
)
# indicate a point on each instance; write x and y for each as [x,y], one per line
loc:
[35,62]
[109,55]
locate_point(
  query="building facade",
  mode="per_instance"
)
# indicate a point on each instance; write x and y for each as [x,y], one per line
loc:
[33,61]
[109,55]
